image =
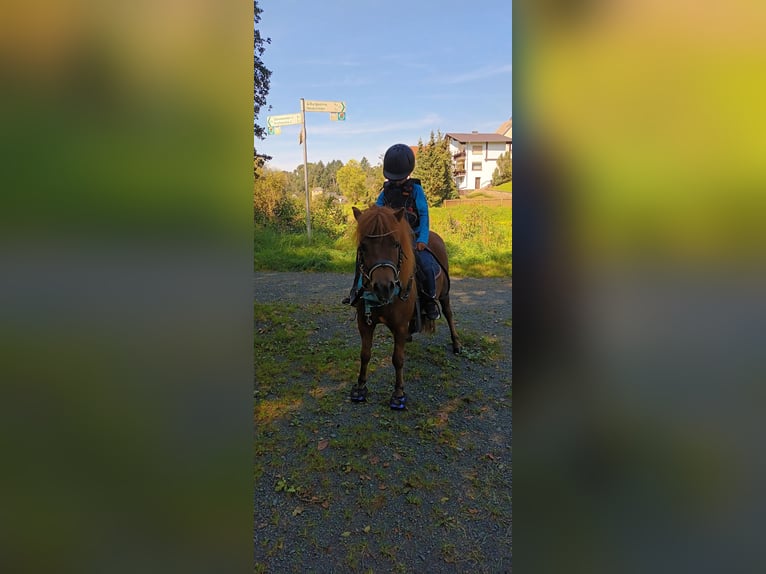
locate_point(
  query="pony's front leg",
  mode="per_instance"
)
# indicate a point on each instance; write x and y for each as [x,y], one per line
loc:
[359,391]
[399,398]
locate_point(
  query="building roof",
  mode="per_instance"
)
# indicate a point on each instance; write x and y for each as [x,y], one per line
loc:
[506,127]
[477,137]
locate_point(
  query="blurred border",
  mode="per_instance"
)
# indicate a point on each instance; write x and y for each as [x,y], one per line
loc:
[638,286]
[126,286]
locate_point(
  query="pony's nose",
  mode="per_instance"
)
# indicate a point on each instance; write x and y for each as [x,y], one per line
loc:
[384,290]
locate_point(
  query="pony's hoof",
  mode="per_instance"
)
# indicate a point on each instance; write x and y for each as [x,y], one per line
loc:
[398,403]
[456,349]
[359,395]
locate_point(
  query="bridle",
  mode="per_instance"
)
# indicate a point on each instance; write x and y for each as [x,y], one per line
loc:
[370,298]
[367,274]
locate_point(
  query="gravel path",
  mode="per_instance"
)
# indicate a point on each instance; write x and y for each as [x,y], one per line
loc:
[343,487]
[476,302]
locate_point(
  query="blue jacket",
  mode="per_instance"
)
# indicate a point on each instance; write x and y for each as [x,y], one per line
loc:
[421,205]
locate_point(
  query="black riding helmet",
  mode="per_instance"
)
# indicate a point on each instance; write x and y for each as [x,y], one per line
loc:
[398,162]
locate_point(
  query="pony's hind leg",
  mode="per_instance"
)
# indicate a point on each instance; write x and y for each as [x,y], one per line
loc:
[359,391]
[447,310]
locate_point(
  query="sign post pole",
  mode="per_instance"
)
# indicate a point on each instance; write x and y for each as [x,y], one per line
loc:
[274,124]
[306,170]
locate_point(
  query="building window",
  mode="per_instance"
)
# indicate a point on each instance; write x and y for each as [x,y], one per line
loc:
[476,166]
[477,149]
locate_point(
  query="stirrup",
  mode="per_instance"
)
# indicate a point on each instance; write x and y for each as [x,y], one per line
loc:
[431,308]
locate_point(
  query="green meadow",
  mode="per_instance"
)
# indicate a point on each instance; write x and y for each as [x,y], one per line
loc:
[478,239]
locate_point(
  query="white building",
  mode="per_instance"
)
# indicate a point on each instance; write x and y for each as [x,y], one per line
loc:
[474,157]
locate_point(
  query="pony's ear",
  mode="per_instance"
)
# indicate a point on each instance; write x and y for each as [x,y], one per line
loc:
[399,213]
[357,212]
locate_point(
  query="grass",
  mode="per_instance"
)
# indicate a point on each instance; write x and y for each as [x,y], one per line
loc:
[507,186]
[478,239]
[355,480]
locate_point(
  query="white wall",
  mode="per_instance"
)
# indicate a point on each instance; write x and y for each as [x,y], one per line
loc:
[488,159]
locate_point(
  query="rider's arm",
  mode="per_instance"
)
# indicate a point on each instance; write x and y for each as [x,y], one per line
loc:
[421,204]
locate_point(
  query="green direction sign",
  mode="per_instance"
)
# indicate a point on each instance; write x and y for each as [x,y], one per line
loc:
[283,120]
[275,131]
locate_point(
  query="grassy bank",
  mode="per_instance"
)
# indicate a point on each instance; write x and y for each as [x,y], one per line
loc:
[479,244]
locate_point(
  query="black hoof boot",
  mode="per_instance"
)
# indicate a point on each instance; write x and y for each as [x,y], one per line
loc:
[358,395]
[398,403]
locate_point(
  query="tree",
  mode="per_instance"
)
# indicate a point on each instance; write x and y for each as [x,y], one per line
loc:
[352,182]
[261,74]
[503,170]
[271,202]
[434,169]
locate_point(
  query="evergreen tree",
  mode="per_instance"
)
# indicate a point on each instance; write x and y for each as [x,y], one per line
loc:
[433,167]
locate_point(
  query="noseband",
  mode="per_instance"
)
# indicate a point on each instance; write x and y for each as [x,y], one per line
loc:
[367,275]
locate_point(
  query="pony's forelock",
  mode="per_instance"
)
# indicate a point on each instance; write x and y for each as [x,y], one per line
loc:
[377,220]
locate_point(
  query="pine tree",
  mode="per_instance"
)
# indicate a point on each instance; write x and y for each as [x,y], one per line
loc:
[434,169]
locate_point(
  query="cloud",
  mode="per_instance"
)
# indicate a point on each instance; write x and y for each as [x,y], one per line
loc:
[480,74]
[325,63]
[344,83]
[428,121]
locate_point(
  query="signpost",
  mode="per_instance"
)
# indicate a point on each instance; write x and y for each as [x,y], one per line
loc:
[283,120]
[274,127]
[322,106]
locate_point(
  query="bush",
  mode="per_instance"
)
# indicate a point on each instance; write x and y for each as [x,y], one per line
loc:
[327,215]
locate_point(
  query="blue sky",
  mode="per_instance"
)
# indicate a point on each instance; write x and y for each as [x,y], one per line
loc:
[404,68]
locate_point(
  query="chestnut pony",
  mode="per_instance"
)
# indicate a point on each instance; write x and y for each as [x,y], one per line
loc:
[386,264]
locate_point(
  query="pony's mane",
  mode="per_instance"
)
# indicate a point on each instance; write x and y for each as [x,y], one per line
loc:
[377,220]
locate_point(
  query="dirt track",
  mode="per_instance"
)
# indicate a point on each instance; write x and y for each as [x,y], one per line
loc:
[344,487]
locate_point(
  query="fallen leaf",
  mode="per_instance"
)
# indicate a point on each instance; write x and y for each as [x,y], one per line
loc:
[323,444]
[397,456]
[326,504]
[386,465]
[382,487]
[366,529]
[374,460]
[444,499]
[298,510]
[346,534]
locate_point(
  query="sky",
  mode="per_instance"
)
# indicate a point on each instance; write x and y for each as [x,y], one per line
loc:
[403,69]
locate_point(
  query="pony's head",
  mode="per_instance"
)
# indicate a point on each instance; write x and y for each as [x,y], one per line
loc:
[384,247]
